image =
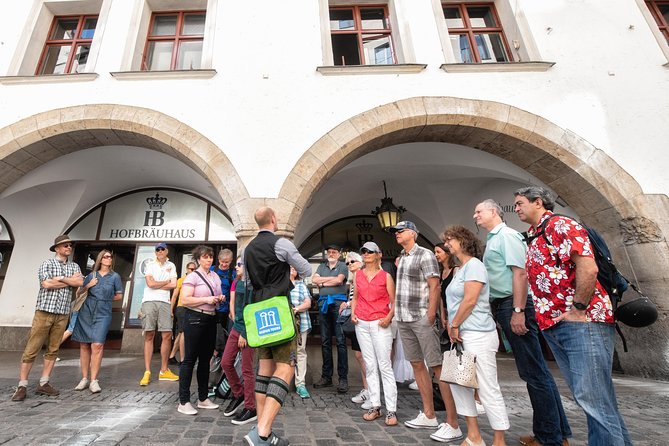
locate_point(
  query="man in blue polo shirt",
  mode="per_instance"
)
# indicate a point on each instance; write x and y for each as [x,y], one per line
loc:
[330,278]
[512,307]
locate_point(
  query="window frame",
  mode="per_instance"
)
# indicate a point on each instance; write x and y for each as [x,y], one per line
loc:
[662,24]
[75,42]
[359,31]
[177,38]
[471,31]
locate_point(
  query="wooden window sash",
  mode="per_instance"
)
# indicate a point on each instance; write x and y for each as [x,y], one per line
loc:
[359,32]
[74,42]
[177,38]
[471,31]
[654,7]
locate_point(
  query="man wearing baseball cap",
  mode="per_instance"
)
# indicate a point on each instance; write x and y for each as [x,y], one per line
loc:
[57,277]
[330,278]
[416,301]
[161,278]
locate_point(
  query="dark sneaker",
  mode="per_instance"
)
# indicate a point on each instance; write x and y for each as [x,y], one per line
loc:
[324,382]
[46,389]
[233,406]
[252,438]
[342,387]
[245,416]
[274,440]
[20,394]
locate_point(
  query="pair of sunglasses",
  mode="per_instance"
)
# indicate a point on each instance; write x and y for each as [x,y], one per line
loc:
[351,262]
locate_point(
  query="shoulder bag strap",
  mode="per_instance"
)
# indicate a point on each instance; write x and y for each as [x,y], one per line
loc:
[206,282]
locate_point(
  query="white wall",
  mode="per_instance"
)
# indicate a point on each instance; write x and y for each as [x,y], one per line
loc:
[267,104]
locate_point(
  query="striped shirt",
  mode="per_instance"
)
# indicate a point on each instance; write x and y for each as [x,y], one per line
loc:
[58,300]
[413,293]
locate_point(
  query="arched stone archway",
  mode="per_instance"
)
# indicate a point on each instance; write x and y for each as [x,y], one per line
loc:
[37,139]
[595,186]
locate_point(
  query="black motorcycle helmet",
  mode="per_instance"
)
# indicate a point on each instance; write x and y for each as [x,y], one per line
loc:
[639,312]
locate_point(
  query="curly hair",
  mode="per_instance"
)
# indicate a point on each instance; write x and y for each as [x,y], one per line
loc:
[201,251]
[468,241]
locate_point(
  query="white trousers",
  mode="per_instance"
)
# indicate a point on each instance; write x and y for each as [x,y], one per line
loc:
[376,344]
[484,345]
[301,369]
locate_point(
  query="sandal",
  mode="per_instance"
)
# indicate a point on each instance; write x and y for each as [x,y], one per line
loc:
[391,419]
[372,414]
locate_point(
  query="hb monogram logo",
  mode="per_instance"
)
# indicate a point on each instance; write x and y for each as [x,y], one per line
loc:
[268,321]
[155,217]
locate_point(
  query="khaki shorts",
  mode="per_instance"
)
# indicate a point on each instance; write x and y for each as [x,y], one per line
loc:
[285,353]
[156,316]
[46,327]
[420,341]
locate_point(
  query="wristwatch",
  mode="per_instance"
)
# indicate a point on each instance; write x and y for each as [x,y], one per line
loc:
[580,306]
[518,310]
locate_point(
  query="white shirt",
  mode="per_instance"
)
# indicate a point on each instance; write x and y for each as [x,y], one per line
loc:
[159,272]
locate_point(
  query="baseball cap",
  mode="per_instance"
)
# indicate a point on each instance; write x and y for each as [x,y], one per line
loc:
[333,246]
[161,245]
[404,225]
[371,246]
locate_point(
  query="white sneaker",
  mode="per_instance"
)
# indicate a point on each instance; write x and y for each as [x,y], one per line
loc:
[413,386]
[95,386]
[479,408]
[422,422]
[207,404]
[446,433]
[361,397]
[186,409]
[83,384]
[367,405]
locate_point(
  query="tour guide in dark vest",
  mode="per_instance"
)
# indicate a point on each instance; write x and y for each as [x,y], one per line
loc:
[269,276]
[268,259]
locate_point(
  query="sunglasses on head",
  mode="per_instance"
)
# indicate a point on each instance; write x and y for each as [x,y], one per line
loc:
[160,249]
[350,262]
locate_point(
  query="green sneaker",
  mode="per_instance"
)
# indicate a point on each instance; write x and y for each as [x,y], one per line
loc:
[302,391]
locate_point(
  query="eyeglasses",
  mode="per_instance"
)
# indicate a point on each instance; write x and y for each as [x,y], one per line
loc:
[160,249]
[399,231]
[351,262]
[107,256]
[366,251]
[67,245]
[239,263]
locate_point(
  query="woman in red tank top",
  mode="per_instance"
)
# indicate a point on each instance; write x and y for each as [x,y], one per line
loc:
[373,308]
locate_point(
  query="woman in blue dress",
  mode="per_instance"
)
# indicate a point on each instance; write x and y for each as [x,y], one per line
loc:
[104,286]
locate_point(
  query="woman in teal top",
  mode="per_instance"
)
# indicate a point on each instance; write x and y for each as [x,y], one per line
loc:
[103,286]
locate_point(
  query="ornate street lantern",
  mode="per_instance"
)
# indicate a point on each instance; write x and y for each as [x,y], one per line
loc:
[388,214]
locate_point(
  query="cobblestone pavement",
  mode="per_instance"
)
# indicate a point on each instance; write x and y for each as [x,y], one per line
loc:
[127,414]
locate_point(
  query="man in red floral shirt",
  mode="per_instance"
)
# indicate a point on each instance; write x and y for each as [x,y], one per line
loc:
[574,312]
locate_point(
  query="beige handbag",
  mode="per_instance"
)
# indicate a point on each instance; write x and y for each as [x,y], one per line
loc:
[459,367]
[79,299]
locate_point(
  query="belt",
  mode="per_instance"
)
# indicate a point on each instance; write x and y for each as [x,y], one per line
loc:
[198,310]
